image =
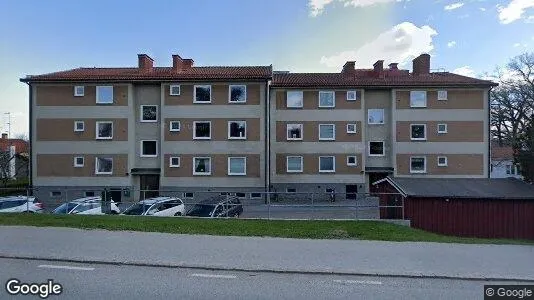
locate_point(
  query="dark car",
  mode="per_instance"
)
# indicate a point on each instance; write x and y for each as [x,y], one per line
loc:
[217,207]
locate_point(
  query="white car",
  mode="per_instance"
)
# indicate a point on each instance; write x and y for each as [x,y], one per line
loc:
[159,206]
[85,206]
[16,204]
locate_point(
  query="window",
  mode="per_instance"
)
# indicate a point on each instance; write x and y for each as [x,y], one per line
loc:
[352,95]
[79,126]
[327,164]
[174,90]
[103,165]
[294,132]
[442,95]
[202,94]
[104,94]
[79,91]
[201,166]
[174,126]
[418,164]
[418,132]
[376,149]
[442,161]
[291,190]
[294,164]
[294,99]
[104,130]
[442,128]
[240,195]
[237,166]
[202,130]
[55,194]
[189,195]
[237,130]
[327,99]
[352,161]
[174,162]
[375,116]
[327,132]
[509,170]
[149,113]
[255,195]
[418,99]
[78,161]
[237,94]
[351,128]
[149,148]
[89,194]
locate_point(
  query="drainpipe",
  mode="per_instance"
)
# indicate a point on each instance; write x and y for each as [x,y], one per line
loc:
[30,149]
[489,132]
[267,132]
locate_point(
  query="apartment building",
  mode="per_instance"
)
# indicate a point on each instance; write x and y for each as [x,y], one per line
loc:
[248,129]
[181,128]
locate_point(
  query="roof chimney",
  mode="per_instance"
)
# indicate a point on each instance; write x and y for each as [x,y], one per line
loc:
[187,64]
[177,62]
[393,66]
[379,66]
[4,136]
[349,67]
[421,64]
[146,64]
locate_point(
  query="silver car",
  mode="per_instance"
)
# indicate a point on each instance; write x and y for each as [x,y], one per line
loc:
[15,204]
[159,206]
[85,206]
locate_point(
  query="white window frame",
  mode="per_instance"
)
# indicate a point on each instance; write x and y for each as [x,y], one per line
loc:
[195,130]
[383,148]
[411,132]
[142,115]
[349,98]
[443,95]
[148,155]
[355,128]
[195,93]
[301,102]
[230,93]
[333,138]
[237,174]
[171,165]
[175,86]
[202,173]
[412,93]
[443,164]
[103,173]
[76,126]
[355,161]
[383,116]
[239,137]
[97,131]
[417,171]
[76,164]
[186,196]
[98,87]
[76,93]
[443,131]
[301,132]
[333,164]
[301,164]
[333,99]
[175,122]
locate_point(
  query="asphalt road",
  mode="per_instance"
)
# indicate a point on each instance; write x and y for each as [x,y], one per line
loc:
[101,281]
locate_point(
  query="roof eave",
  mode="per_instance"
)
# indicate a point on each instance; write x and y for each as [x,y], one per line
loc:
[470,85]
[63,80]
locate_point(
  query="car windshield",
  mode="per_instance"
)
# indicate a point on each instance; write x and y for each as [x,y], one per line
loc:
[65,208]
[137,209]
[201,210]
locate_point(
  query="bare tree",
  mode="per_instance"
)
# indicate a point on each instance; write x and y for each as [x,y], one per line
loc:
[22,136]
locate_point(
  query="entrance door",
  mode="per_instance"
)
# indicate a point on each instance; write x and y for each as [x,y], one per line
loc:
[351,191]
[149,186]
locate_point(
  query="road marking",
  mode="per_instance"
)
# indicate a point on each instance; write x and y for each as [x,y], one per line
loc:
[213,276]
[358,282]
[66,267]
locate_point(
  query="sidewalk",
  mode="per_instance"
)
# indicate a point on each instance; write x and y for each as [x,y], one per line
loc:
[271,254]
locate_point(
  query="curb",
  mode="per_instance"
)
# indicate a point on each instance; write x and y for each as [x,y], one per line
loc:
[265,270]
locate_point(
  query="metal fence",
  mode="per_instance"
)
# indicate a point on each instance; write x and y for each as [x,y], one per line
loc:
[254,204]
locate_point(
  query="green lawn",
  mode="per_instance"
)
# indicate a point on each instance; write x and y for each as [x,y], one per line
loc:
[362,230]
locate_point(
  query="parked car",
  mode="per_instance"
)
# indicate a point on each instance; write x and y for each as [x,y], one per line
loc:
[217,207]
[158,206]
[85,206]
[20,204]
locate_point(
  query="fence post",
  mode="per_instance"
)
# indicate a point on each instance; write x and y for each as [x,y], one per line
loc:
[66,198]
[27,199]
[402,207]
[269,205]
[313,203]
[356,206]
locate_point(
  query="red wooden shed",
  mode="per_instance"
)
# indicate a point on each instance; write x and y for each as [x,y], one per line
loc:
[470,207]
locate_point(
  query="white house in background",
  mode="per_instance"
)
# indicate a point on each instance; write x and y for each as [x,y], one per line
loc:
[502,162]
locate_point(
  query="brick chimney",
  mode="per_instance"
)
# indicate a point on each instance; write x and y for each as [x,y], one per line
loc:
[379,66]
[393,66]
[4,136]
[349,68]
[145,63]
[187,64]
[177,62]
[421,64]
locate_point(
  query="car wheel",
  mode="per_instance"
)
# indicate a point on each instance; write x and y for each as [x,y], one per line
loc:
[178,214]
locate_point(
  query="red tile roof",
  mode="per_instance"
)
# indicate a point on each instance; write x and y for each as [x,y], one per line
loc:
[157,74]
[21,146]
[368,78]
